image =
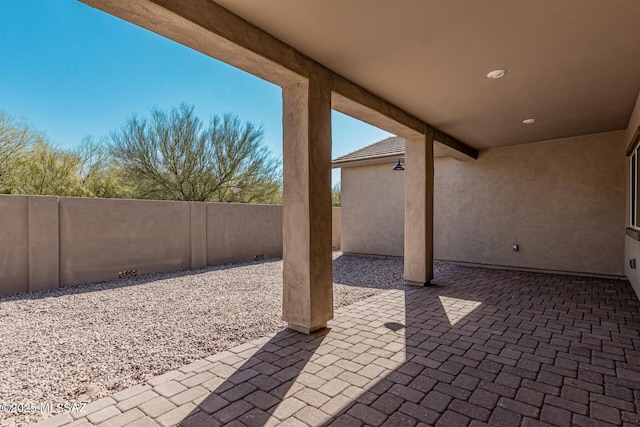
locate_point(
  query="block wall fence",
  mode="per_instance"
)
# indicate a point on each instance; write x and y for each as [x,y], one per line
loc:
[50,242]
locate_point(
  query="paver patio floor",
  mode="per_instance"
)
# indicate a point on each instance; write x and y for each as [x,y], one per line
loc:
[480,346]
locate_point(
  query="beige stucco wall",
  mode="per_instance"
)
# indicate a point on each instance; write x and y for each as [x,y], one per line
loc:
[634,122]
[99,238]
[561,201]
[632,251]
[14,238]
[46,242]
[372,210]
[336,224]
[632,246]
[237,233]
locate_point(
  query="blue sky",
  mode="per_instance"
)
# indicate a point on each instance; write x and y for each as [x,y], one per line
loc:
[73,71]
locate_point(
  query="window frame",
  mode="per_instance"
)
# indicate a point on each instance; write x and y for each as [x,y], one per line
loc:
[633,152]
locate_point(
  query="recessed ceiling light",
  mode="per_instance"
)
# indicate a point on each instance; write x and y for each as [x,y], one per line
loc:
[529,121]
[496,74]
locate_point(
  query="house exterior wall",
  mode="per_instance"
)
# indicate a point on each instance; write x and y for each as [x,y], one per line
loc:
[561,201]
[372,210]
[631,244]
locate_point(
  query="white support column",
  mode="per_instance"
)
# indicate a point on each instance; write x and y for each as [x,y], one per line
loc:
[418,211]
[307,302]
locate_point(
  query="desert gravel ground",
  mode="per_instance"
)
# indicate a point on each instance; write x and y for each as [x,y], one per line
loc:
[82,343]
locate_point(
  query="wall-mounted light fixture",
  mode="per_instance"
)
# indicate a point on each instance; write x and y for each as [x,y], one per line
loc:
[398,166]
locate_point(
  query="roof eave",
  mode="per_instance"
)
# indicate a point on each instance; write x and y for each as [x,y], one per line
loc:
[391,158]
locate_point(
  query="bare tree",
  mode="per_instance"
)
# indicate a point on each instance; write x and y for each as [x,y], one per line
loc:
[97,172]
[173,156]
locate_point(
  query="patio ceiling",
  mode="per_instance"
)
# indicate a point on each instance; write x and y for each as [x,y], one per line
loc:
[573,65]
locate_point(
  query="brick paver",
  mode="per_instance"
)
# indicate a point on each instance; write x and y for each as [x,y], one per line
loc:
[478,347]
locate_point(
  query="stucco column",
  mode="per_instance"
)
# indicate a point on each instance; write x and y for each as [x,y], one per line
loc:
[307,302]
[418,210]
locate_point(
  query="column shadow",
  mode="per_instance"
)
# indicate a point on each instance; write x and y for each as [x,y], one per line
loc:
[448,353]
[294,372]
[252,390]
[469,343]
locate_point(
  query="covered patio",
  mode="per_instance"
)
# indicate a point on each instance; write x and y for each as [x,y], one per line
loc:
[459,93]
[475,346]
[479,346]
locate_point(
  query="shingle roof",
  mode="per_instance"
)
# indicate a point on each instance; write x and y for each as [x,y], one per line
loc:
[389,147]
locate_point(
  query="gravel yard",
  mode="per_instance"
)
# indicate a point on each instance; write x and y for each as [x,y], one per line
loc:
[81,343]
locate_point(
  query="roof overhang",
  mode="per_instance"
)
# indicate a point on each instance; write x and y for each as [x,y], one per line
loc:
[373,161]
[207,27]
[571,64]
[416,67]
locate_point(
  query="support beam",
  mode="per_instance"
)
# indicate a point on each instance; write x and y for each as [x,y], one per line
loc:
[207,27]
[418,214]
[307,302]
[354,101]
[451,147]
